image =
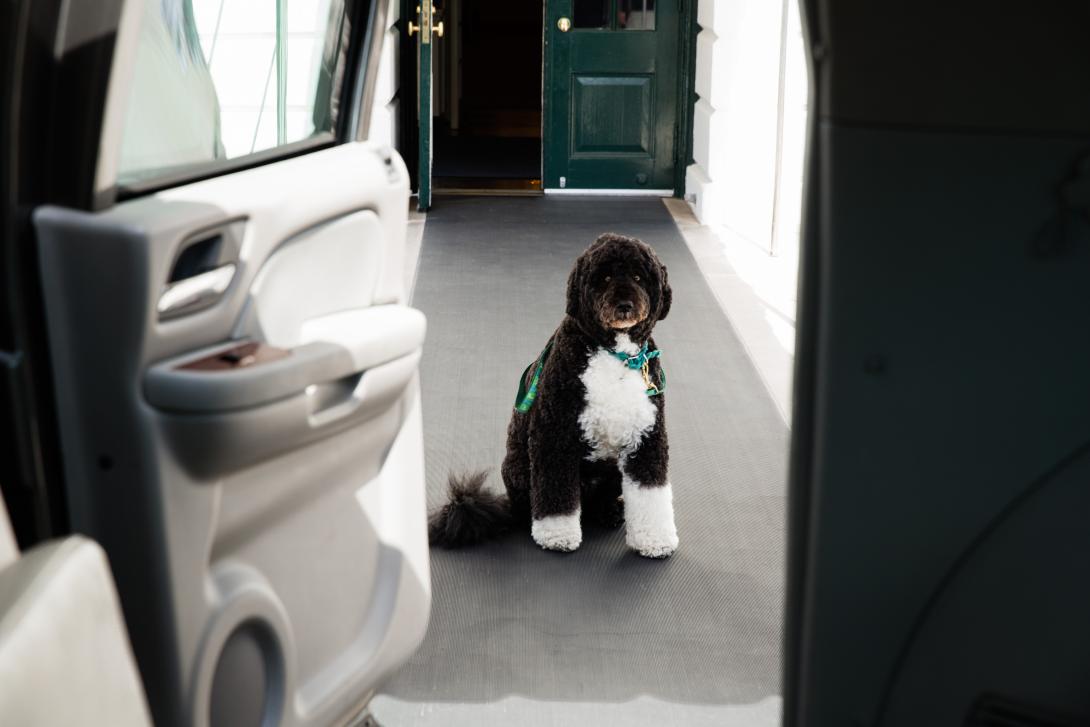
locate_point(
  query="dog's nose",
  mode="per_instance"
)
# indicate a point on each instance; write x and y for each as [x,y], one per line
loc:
[625,307]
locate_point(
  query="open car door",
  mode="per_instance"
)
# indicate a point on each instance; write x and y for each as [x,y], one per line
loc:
[233,360]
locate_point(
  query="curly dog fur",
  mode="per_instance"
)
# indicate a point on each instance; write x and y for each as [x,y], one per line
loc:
[593,445]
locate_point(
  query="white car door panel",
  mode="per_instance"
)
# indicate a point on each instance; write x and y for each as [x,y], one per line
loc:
[249,452]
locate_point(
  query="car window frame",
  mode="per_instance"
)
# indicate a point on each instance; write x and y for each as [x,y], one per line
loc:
[366,19]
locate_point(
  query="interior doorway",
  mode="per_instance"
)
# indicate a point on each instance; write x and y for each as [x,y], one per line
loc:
[488,97]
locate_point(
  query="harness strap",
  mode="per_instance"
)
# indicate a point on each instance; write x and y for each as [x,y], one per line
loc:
[527,392]
[531,375]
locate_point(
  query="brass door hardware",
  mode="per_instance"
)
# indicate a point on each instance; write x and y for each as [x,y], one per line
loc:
[426,24]
[564,24]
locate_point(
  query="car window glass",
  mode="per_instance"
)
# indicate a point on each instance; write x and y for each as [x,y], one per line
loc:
[221,79]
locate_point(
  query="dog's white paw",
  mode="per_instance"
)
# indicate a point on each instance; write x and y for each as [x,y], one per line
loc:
[653,545]
[649,519]
[558,532]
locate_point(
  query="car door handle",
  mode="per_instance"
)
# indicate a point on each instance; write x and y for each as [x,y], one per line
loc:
[192,294]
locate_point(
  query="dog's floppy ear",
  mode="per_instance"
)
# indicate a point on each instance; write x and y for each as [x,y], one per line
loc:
[667,298]
[575,286]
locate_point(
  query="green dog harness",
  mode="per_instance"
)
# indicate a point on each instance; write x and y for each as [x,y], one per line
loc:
[639,360]
[528,389]
[528,384]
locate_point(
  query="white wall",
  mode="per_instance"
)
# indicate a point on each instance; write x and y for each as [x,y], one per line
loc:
[742,177]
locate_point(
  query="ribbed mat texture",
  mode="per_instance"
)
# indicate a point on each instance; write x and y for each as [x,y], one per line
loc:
[601,626]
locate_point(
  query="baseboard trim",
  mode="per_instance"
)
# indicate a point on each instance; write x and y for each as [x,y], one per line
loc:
[613,192]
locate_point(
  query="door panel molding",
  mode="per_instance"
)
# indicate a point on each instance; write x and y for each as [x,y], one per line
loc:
[175,497]
[597,132]
[340,260]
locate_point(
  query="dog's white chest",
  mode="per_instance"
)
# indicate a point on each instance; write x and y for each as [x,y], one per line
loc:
[618,411]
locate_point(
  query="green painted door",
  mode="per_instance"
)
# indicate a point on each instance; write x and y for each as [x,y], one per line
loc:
[425,13]
[611,94]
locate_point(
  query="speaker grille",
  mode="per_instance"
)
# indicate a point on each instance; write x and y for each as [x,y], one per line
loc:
[246,686]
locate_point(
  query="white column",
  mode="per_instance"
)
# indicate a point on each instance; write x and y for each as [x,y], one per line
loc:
[738,57]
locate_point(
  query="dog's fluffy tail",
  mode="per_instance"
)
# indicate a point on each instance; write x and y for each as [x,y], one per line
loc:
[471,516]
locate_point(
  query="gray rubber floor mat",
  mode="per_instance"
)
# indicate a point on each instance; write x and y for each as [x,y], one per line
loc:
[519,636]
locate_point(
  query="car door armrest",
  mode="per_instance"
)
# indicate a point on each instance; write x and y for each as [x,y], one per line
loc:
[335,348]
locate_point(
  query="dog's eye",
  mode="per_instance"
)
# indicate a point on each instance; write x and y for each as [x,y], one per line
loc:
[636,278]
[609,278]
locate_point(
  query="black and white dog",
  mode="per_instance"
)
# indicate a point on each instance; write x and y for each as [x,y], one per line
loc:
[588,436]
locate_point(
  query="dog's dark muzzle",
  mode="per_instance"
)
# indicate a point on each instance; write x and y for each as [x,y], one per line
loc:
[624,304]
